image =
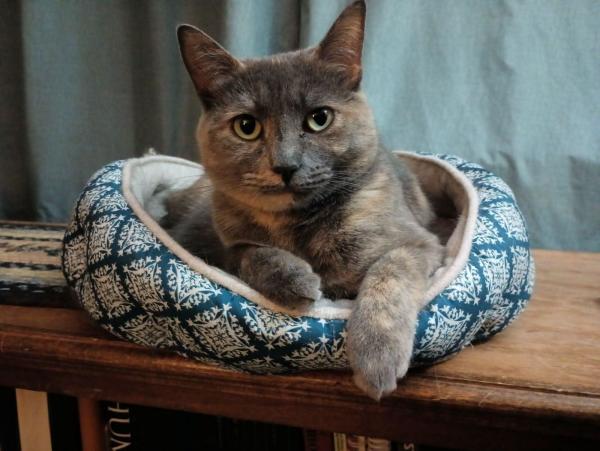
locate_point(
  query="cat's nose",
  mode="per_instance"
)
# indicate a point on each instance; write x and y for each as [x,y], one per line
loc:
[286,172]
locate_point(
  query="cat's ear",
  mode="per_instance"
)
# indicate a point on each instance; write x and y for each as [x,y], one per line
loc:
[207,62]
[342,46]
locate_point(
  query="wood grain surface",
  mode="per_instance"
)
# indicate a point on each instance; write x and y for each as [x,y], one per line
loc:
[534,386]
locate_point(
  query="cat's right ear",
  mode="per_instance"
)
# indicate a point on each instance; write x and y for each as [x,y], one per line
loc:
[207,62]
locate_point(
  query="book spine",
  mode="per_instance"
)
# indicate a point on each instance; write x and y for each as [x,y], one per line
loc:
[9,428]
[318,440]
[310,440]
[34,421]
[118,427]
[378,444]
[353,442]
[356,442]
[339,442]
[91,426]
[66,421]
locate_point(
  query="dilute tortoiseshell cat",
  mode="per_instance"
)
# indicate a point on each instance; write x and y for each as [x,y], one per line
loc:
[304,201]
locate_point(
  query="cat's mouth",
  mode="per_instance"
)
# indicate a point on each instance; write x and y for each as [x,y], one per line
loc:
[297,189]
[297,186]
[307,187]
[272,189]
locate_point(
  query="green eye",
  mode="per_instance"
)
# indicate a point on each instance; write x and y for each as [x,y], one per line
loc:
[247,127]
[319,119]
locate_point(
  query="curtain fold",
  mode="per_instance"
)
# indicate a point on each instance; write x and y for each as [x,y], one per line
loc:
[512,85]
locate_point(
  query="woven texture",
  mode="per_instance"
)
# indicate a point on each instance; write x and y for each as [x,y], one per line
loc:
[136,288]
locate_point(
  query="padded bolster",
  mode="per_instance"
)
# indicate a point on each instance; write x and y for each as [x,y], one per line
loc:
[142,290]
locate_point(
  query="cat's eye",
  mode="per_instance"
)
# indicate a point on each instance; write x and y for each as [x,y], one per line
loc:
[247,127]
[319,119]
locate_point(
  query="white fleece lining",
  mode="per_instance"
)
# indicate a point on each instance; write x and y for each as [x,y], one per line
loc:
[458,247]
[142,176]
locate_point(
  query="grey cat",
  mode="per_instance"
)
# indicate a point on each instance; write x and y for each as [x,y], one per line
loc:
[304,201]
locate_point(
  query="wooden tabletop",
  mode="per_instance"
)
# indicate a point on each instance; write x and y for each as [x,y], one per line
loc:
[535,385]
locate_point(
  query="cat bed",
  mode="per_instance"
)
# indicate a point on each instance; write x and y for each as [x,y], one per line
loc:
[139,284]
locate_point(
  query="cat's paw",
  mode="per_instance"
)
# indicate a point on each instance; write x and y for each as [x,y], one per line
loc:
[282,277]
[297,289]
[378,354]
[377,382]
[378,375]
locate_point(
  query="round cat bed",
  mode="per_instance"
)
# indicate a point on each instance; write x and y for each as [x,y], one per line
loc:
[140,285]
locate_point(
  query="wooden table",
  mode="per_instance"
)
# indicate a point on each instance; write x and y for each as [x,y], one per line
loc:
[534,386]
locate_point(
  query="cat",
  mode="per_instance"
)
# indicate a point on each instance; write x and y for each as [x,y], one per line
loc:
[300,200]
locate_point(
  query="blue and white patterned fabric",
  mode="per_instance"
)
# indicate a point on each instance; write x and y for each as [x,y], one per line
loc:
[138,289]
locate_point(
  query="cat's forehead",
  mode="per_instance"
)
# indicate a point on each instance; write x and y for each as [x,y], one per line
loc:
[284,82]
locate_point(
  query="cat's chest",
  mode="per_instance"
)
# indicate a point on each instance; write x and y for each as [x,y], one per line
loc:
[342,252]
[315,238]
[339,243]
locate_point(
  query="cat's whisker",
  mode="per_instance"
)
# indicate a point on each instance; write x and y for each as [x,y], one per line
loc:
[184,177]
[264,188]
[344,184]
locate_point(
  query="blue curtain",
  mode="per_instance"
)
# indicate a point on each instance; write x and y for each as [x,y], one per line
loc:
[512,85]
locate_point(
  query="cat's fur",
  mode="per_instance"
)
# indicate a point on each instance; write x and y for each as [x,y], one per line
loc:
[351,222]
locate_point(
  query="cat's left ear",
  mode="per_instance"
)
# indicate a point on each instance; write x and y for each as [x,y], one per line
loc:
[343,43]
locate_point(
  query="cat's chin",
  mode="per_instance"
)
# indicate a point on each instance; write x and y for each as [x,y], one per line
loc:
[272,201]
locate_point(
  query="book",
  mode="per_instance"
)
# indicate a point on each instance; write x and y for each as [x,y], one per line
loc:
[318,440]
[378,444]
[9,427]
[117,427]
[356,442]
[63,414]
[339,441]
[33,418]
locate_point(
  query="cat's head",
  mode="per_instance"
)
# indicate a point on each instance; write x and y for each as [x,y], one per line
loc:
[277,132]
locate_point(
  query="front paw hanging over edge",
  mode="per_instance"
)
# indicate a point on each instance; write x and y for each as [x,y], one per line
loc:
[381,328]
[379,355]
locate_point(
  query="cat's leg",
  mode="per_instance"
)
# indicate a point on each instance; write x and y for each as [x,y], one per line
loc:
[278,275]
[382,326]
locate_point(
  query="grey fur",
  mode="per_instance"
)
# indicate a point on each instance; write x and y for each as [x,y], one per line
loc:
[351,221]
